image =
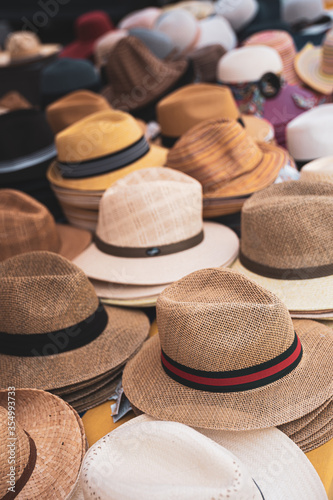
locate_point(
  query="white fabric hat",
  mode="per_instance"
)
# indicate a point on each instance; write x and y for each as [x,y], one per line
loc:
[143,18]
[149,459]
[216,30]
[293,11]
[309,135]
[320,170]
[181,27]
[248,64]
[239,14]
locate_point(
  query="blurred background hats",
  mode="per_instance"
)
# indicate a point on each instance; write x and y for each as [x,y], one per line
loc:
[158,43]
[104,45]
[205,62]
[216,30]
[25,46]
[200,9]
[143,18]
[182,28]
[239,14]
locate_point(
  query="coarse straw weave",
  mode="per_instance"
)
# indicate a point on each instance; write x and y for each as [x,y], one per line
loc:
[296,426]
[217,320]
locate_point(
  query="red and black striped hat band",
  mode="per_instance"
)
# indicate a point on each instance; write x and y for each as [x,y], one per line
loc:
[236,380]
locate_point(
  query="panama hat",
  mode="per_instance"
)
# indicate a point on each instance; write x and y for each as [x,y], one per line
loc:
[26,225]
[199,8]
[314,65]
[226,354]
[65,335]
[182,28]
[181,110]
[288,249]
[150,231]
[216,30]
[46,439]
[73,107]
[104,45]
[25,46]
[320,170]
[143,18]
[112,293]
[158,43]
[239,14]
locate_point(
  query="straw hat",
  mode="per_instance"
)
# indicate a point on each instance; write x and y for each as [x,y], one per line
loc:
[314,65]
[150,231]
[13,101]
[158,43]
[286,244]
[47,443]
[239,14]
[24,46]
[182,28]
[227,354]
[27,225]
[320,170]
[144,18]
[96,151]
[216,30]
[104,45]
[309,135]
[73,107]
[199,8]
[193,104]
[205,62]
[53,295]
[131,296]
[226,160]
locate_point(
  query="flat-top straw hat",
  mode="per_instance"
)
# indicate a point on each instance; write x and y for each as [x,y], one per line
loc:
[287,243]
[226,356]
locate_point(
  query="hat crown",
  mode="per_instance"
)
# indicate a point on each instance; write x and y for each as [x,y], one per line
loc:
[105,44]
[66,75]
[218,320]
[327,54]
[149,208]
[42,292]
[180,25]
[92,25]
[22,44]
[25,225]
[288,226]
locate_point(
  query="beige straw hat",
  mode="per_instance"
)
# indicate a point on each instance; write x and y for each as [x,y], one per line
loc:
[287,244]
[149,459]
[226,356]
[150,231]
[320,170]
[54,331]
[47,444]
[25,47]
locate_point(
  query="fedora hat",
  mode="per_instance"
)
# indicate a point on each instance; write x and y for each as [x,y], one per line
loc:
[73,107]
[182,28]
[228,163]
[185,108]
[88,28]
[205,61]
[226,355]
[216,30]
[143,18]
[98,150]
[150,231]
[24,46]
[137,78]
[320,170]
[309,135]
[159,44]
[66,75]
[287,248]
[104,45]
[47,439]
[132,296]
[56,333]
[239,14]
[26,225]
[314,65]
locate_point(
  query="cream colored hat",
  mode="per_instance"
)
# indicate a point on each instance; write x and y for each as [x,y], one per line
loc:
[320,170]
[181,27]
[309,135]
[239,14]
[143,18]
[216,30]
[164,460]
[150,231]
[199,8]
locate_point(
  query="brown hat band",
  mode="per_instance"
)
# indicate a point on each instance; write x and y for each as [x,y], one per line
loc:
[287,274]
[236,380]
[26,474]
[133,252]
[47,344]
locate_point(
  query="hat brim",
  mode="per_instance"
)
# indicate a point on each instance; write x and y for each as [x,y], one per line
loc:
[258,128]
[112,291]
[45,51]
[53,426]
[156,157]
[295,427]
[73,241]
[298,295]
[307,66]
[123,335]
[219,248]
[151,390]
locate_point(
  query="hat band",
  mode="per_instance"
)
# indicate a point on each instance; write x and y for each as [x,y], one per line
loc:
[56,342]
[286,274]
[26,474]
[106,164]
[133,252]
[236,380]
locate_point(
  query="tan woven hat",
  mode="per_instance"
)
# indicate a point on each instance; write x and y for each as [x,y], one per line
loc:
[27,225]
[45,441]
[320,170]
[25,46]
[226,355]
[150,231]
[54,331]
[287,244]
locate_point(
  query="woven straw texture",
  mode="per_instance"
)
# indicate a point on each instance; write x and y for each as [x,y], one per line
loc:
[301,424]
[217,319]
[42,292]
[136,77]
[54,428]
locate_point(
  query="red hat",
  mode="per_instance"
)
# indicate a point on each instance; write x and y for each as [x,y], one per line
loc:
[88,28]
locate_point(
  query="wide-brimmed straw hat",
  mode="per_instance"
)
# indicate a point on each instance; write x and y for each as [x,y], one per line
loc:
[216,30]
[24,46]
[46,445]
[182,28]
[314,65]
[54,331]
[226,355]
[26,225]
[150,231]
[320,170]
[286,244]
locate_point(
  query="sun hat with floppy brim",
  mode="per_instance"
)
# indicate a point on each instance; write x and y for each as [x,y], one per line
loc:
[205,320]
[57,444]
[308,68]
